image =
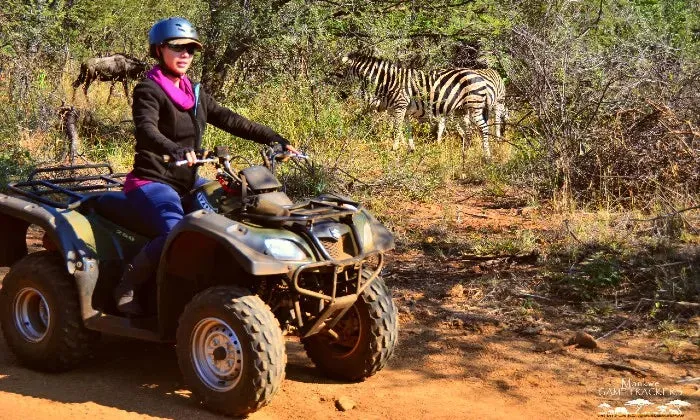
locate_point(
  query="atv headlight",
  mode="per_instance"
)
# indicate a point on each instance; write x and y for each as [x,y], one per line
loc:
[367,236]
[284,249]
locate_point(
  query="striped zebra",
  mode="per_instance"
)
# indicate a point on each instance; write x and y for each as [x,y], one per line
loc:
[474,106]
[420,111]
[471,94]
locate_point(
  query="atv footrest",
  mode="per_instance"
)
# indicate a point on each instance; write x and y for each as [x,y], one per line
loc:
[125,327]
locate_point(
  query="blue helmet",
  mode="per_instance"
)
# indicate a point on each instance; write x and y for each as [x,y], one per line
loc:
[172,28]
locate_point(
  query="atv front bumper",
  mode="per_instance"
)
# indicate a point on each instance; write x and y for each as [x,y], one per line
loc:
[334,307]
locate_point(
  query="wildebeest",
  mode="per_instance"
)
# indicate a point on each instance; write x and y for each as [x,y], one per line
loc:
[112,68]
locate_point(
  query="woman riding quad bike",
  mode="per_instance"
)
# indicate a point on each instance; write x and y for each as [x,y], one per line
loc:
[243,262]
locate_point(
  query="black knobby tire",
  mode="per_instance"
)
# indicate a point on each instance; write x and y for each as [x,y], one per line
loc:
[245,336]
[368,336]
[40,314]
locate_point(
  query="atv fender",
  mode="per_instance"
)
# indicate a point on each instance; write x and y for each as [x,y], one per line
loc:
[231,235]
[199,242]
[62,227]
[380,239]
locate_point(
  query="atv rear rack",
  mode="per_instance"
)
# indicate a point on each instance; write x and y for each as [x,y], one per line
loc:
[65,192]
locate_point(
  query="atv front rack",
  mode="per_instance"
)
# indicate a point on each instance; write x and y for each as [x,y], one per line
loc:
[308,212]
[61,186]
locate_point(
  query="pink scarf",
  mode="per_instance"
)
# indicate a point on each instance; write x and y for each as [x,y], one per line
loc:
[182,97]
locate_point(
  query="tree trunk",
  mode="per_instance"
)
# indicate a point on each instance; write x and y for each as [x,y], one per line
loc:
[215,71]
[69,115]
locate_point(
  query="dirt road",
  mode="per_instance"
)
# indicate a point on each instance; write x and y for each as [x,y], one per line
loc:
[458,358]
[132,380]
[440,371]
[433,376]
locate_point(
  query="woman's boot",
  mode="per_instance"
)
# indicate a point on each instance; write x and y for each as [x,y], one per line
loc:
[136,273]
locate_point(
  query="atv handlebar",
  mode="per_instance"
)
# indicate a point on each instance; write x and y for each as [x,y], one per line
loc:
[278,153]
[287,155]
[196,161]
[270,154]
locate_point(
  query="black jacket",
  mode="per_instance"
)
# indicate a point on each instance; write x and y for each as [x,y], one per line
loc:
[162,129]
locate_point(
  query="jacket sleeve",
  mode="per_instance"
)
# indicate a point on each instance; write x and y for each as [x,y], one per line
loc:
[146,113]
[238,125]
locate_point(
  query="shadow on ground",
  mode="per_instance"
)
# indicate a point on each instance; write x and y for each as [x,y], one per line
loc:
[129,375]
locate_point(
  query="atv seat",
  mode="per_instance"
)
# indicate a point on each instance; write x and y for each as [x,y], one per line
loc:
[116,208]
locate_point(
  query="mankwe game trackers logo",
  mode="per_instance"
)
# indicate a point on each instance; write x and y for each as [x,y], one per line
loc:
[668,400]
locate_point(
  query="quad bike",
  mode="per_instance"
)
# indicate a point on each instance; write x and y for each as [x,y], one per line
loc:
[244,264]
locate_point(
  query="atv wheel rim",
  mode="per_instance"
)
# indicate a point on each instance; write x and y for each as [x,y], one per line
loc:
[217,354]
[349,331]
[31,314]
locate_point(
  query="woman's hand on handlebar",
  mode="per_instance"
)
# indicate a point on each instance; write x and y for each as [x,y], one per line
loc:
[187,154]
[191,157]
[291,149]
[281,152]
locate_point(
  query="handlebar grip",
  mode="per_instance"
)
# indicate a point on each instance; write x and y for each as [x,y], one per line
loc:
[169,159]
[282,157]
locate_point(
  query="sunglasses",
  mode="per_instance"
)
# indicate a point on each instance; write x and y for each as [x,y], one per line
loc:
[190,48]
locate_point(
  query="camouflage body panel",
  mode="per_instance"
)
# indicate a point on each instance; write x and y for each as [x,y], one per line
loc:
[374,235]
[71,232]
[211,197]
[245,241]
[114,242]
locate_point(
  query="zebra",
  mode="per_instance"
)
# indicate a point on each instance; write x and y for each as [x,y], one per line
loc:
[474,111]
[471,94]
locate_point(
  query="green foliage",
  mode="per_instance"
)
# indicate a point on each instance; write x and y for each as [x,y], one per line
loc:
[593,78]
[597,274]
[14,164]
[581,76]
[522,242]
[600,269]
[111,26]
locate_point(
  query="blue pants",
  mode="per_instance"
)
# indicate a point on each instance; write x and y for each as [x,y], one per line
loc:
[161,206]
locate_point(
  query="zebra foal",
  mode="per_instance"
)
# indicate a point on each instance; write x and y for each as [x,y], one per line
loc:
[394,86]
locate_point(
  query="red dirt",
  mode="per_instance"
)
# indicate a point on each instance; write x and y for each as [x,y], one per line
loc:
[457,356]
